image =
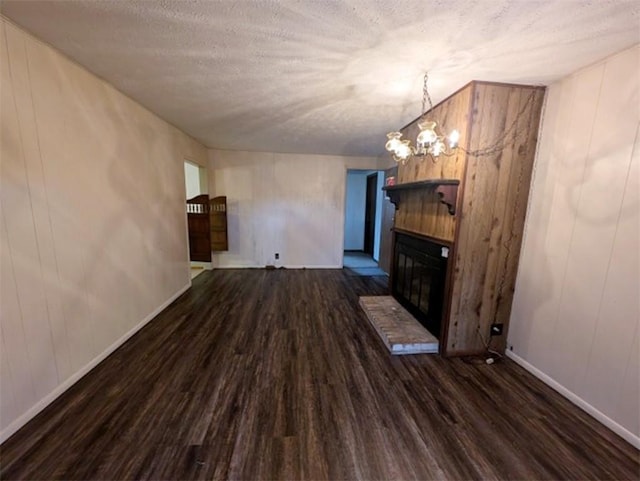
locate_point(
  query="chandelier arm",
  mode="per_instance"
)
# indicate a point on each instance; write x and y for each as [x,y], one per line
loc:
[429,143]
[449,154]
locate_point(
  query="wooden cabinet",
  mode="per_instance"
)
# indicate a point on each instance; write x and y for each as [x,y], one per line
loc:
[475,202]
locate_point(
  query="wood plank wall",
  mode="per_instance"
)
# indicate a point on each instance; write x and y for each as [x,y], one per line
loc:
[421,211]
[491,217]
[487,229]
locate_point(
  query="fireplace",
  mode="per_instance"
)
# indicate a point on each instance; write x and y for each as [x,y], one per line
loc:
[419,276]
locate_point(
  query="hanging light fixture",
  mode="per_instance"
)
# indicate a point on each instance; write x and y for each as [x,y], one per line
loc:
[428,141]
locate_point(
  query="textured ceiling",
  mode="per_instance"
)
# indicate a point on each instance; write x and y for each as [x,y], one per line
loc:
[319,76]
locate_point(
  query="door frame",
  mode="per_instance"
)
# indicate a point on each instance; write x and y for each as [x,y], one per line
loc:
[204,185]
[370,213]
[343,219]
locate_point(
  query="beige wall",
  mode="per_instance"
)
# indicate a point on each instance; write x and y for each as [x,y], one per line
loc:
[93,225]
[576,309]
[292,204]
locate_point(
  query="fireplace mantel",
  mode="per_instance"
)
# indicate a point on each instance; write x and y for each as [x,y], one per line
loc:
[447,189]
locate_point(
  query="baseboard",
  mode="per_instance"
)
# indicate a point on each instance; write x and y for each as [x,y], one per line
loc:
[204,265]
[49,398]
[313,267]
[278,267]
[621,431]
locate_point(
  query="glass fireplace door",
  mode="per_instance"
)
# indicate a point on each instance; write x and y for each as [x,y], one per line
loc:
[419,279]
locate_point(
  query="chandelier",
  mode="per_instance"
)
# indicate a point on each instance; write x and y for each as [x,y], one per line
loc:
[428,141]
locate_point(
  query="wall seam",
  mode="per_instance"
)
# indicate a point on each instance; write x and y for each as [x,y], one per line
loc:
[15,106]
[573,227]
[15,283]
[11,375]
[50,223]
[613,243]
[635,335]
[45,289]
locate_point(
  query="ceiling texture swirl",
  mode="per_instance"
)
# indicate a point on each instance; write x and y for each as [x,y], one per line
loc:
[319,76]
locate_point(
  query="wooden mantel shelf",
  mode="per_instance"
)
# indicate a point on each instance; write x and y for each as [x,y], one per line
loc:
[446,188]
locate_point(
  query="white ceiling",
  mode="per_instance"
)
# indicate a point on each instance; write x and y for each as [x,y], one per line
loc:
[320,76]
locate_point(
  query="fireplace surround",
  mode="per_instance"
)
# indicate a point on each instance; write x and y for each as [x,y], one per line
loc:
[474,203]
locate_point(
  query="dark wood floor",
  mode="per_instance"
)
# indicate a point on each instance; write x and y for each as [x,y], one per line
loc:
[258,374]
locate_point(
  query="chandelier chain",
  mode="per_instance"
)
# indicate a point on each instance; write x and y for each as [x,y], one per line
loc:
[498,145]
[426,98]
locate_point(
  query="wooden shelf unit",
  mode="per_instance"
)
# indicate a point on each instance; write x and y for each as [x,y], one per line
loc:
[487,191]
[447,189]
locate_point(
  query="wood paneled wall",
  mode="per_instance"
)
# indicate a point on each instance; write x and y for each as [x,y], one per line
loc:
[92,224]
[486,231]
[491,215]
[421,211]
[576,312]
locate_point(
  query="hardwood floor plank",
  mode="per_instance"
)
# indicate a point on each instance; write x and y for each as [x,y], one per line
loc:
[255,374]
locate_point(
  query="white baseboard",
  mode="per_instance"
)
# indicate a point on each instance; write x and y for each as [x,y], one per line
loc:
[205,265]
[244,266]
[313,267]
[238,266]
[578,401]
[70,381]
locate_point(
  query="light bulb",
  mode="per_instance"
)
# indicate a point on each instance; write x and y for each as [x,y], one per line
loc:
[393,142]
[403,151]
[454,137]
[427,133]
[437,148]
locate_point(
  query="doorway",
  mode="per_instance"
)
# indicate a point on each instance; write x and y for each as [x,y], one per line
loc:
[363,208]
[370,210]
[197,206]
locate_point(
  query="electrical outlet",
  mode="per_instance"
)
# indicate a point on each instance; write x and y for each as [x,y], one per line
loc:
[496,329]
[277,255]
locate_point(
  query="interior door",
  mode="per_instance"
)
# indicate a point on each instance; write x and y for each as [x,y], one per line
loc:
[218,220]
[198,224]
[386,233]
[370,213]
